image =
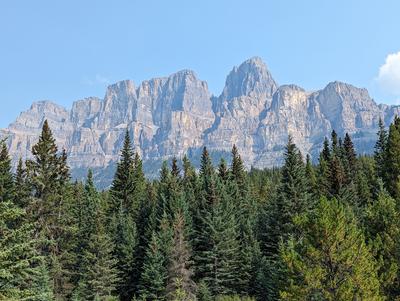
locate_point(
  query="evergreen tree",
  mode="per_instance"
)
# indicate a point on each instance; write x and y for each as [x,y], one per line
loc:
[22,187]
[175,170]
[292,199]
[238,170]
[223,171]
[335,149]
[380,150]
[48,175]
[6,176]
[392,169]
[350,158]
[126,242]
[330,261]
[326,152]
[100,276]
[122,189]
[337,177]
[382,223]
[218,259]
[19,259]
[180,284]
[154,276]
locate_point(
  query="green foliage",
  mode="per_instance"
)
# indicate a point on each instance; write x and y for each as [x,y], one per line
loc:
[330,261]
[215,234]
[20,263]
[382,223]
[6,177]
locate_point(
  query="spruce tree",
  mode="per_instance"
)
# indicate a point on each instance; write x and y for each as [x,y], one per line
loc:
[238,170]
[330,260]
[350,158]
[218,259]
[6,176]
[392,169]
[123,185]
[19,259]
[154,276]
[180,284]
[22,187]
[382,223]
[380,150]
[292,199]
[223,171]
[48,175]
[125,241]
[100,276]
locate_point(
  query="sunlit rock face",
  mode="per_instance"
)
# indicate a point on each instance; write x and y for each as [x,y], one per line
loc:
[174,115]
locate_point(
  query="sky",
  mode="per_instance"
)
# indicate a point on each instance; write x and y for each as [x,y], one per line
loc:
[67,50]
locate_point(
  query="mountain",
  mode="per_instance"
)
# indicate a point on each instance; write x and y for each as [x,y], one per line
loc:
[174,115]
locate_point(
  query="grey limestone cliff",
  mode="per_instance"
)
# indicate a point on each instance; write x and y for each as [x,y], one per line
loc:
[174,115]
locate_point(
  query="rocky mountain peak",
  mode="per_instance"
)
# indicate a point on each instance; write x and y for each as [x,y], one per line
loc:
[251,78]
[176,115]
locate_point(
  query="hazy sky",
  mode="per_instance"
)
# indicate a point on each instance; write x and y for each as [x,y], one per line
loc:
[67,50]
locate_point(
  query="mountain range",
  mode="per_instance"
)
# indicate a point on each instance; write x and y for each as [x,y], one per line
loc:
[177,115]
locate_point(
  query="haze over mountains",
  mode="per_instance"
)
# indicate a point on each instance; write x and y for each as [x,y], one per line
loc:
[177,115]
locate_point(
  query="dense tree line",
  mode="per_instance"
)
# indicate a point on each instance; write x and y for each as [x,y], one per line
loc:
[324,231]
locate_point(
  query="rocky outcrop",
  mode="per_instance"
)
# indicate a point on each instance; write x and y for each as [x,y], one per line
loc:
[174,115]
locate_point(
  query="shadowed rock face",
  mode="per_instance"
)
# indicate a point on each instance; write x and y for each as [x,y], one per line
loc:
[174,115]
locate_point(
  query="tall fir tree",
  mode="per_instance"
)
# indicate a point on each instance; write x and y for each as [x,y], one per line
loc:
[380,150]
[217,261]
[392,160]
[20,261]
[48,175]
[292,199]
[180,282]
[22,187]
[154,275]
[382,224]
[6,177]
[123,185]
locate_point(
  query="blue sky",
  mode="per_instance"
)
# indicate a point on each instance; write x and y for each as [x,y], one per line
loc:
[67,50]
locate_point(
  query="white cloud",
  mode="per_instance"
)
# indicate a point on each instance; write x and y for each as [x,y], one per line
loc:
[97,80]
[389,74]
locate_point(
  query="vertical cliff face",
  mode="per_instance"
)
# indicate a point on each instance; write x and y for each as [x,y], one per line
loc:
[173,115]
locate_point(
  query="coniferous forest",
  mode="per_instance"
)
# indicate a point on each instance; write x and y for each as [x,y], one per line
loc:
[304,231]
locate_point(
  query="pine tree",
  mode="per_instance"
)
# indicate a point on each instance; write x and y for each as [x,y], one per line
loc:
[337,177]
[125,241]
[19,259]
[6,177]
[382,223]
[350,158]
[330,261]
[22,187]
[380,150]
[175,170]
[180,284]
[326,152]
[100,275]
[48,175]
[392,160]
[238,170]
[335,149]
[154,276]
[122,189]
[218,259]
[292,199]
[223,171]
